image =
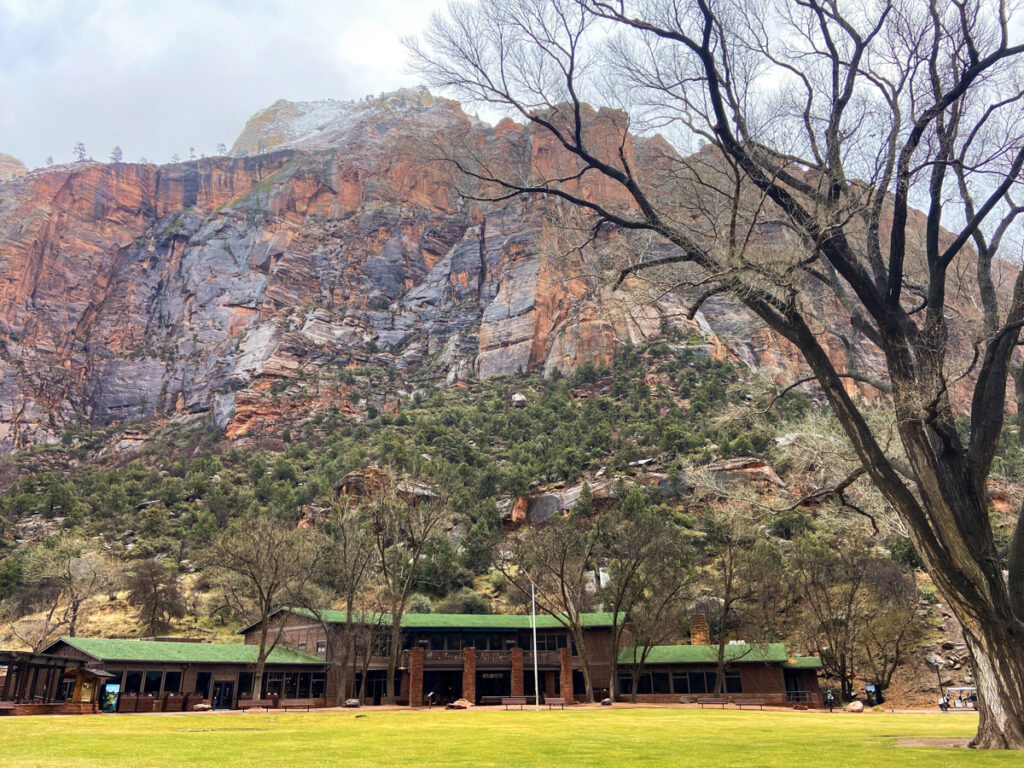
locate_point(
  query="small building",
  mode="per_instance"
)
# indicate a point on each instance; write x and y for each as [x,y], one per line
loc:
[679,672]
[146,675]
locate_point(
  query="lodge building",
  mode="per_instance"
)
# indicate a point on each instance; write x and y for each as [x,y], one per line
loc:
[444,657]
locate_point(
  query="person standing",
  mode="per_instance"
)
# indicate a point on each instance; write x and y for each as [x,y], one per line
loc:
[830,699]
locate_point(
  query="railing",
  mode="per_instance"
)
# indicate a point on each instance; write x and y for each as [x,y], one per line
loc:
[549,658]
[443,657]
[493,657]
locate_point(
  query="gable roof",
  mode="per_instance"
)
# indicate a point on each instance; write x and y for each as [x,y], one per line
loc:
[735,653]
[197,653]
[450,621]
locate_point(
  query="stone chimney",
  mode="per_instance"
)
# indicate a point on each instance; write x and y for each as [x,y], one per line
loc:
[699,634]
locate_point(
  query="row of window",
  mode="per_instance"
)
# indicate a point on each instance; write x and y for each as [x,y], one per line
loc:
[296,685]
[153,681]
[483,641]
[680,682]
[321,647]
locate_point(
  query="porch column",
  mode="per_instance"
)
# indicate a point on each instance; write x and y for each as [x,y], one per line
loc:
[517,671]
[565,664]
[469,674]
[416,676]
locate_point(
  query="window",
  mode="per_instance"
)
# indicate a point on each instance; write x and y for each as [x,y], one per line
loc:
[733,681]
[203,684]
[698,684]
[244,682]
[291,685]
[317,685]
[550,641]
[132,681]
[659,682]
[172,682]
[274,683]
[626,684]
[321,647]
[437,641]
[680,682]
[301,646]
[153,678]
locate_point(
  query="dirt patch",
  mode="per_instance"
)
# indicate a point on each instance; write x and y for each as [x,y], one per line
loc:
[938,743]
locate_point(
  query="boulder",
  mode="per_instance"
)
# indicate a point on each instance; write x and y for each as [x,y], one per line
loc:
[201,708]
[459,704]
[606,702]
[855,706]
[352,703]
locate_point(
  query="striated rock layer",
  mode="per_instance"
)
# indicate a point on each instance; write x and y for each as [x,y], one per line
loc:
[133,290]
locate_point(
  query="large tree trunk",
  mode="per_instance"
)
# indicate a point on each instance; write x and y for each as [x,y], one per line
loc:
[998,662]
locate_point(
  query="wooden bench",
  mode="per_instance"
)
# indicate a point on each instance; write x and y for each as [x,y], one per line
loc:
[301,703]
[759,703]
[552,701]
[511,701]
[488,700]
[266,704]
[712,700]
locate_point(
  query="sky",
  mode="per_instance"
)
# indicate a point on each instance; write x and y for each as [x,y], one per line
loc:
[156,77]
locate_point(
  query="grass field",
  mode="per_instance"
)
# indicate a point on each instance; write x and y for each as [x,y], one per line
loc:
[594,738]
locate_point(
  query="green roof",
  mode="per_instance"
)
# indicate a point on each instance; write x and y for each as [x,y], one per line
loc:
[708,654]
[477,621]
[199,653]
[803,662]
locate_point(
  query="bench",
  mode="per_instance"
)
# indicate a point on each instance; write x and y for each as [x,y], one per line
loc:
[487,700]
[712,700]
[266,704]
[552,701]
[759,703]
[508,701]
[302,704]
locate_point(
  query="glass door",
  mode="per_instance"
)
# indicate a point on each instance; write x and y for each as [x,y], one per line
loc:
[223,694]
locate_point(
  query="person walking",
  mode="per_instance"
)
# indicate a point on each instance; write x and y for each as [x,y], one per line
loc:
[830,699]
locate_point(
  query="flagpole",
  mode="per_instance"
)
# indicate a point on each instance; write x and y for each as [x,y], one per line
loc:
[533,623]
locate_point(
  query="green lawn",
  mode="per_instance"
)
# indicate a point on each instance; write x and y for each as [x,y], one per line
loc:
[619,738]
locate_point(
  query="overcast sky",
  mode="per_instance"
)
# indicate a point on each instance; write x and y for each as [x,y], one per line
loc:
[157,77]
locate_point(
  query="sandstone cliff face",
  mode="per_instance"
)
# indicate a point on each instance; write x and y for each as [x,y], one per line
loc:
[11,167]
[133,290]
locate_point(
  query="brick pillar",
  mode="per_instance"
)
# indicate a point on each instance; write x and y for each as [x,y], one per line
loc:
[565,662]
[416,677]
[469,674]
[699,634]
[517,672]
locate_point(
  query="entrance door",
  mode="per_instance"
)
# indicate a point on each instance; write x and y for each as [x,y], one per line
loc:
[377,686]
[223,694]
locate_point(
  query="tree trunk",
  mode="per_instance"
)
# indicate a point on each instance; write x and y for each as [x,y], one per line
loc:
[394,651]
[997,658]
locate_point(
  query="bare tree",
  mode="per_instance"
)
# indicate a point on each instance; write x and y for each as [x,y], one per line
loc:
[558,559]
[79,152]
[831,584]
[59,579]
[269,563]
[350,561]
[649,569]
[890,626]
[823,124]
[402,521]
